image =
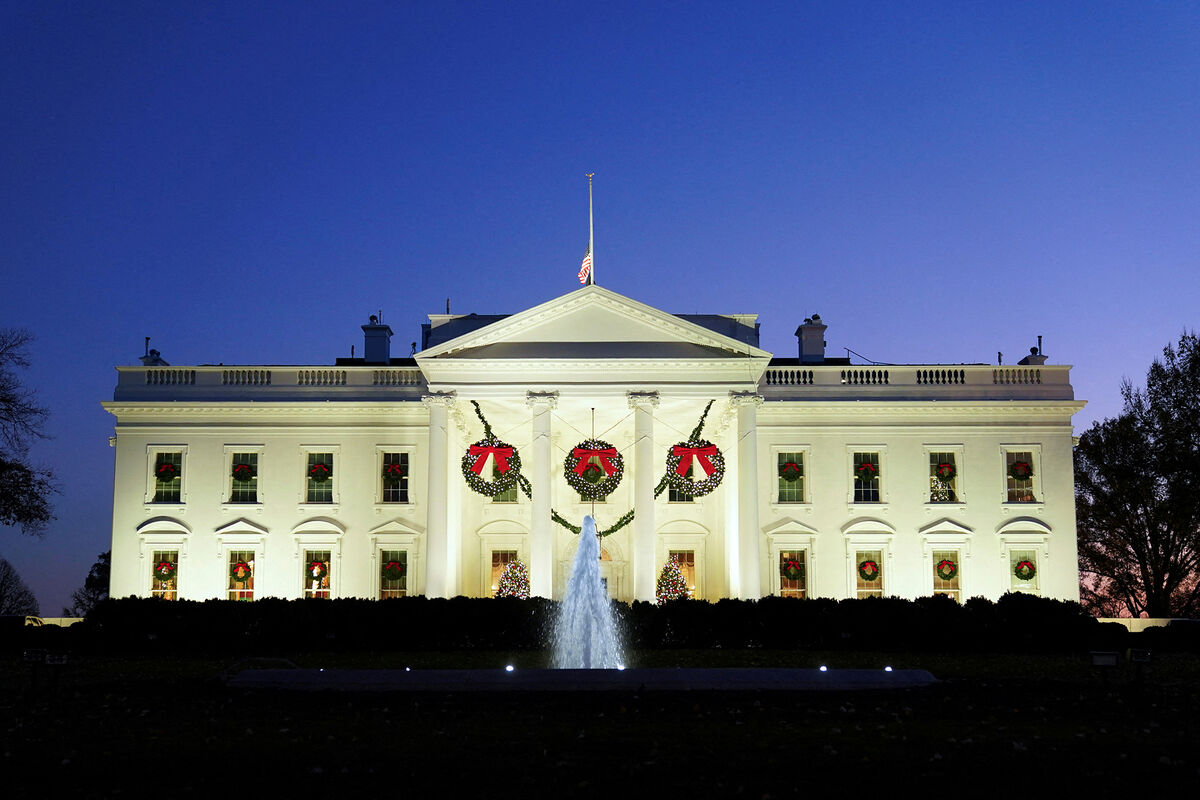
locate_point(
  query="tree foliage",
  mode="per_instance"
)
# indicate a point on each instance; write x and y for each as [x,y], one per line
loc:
[1137,486]
[24,489]
[15,597]
[95,588]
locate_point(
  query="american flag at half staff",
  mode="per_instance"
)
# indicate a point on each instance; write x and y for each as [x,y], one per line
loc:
[585,269]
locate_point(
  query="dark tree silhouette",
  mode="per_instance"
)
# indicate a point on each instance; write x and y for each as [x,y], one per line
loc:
[1137,487]
[95,588]
[24,489]
[15,596]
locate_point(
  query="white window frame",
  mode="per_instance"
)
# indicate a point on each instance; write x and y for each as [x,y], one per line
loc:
[243,535]
[499,539]
[317,534]
[687,535]
[805,450]
[791,536]
[227,455]
[163,534]
[884,475]
[959,484]
[408,450]
[396,535]
[152,453]
[1039,497]
[946,534]
[1025,534]
[869,534]
[335,491]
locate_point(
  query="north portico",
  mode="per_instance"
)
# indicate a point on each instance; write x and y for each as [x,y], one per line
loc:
[838,480]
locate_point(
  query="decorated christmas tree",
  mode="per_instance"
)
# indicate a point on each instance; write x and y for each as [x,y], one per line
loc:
[671,585]
[514,581]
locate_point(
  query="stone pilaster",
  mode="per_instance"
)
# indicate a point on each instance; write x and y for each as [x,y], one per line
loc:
[749,572]
[439,572]
[541,535]
[645,469]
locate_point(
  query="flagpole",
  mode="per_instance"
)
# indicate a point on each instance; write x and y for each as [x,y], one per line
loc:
[591,231]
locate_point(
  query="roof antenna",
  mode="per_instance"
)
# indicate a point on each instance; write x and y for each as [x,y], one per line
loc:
[147,346]
[447,305]
[1040,353]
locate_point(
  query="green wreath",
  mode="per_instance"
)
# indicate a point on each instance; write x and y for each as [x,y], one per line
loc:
[1025,570]
[320,472]
[1020,471]
[393,571]
[947,569]
[317,570]
[594,481]
[868,570]
[791,570]
[165,570]
[506,466]
[243,472]
[945,472]
[241,572]
[394,471]
[867,471]
[681,459]
[791,472]
[166,472]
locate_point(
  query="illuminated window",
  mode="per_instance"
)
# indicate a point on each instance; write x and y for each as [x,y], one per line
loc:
[1023,572]
[393,577]
[674,496]
[686,559]
[1019,469]
[947,574]
[317,573]
[793,573]
[866,477]
[319,478]
[164,574]
[790,468]
[509,495]
[943,478]
[500,560]
[394,476]
[241,575]
[243,476]
[868,573]
[168,477]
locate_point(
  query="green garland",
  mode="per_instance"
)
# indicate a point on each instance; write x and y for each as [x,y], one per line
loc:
[491,447]
[695,449]
[947,569]
[1025,570]
[624,520]
[868,570]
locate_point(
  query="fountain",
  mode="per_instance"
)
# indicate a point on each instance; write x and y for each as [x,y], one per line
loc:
[585,632]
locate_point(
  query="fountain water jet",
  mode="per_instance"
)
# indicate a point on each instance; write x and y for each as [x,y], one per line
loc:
[585,632]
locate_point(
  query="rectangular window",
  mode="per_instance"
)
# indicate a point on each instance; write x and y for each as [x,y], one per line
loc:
[164,574]
[393,577]
[509,495]
[791,477]
[674,496]
[793,573]
[868,573]
[686,559]
[318,478]
[395,478]
[943,478]
[241,575]
[1023,571]
[866,477]
[1018,466]
[168,477]
[317,572]
[243,471]
[500,560]
[947,574]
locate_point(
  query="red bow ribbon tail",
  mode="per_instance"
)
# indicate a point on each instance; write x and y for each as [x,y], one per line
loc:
[584,456]
[501,454]
[701,454]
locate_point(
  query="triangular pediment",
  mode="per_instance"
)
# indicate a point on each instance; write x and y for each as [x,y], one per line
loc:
[594,335]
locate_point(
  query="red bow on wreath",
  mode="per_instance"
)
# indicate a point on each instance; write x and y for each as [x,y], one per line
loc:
[393,470]
[501,454]
[584,454]
[701,454]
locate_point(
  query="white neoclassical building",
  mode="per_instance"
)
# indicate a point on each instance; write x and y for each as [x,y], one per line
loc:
[351,480]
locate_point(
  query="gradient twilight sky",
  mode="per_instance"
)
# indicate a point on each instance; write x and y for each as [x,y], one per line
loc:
[246,182]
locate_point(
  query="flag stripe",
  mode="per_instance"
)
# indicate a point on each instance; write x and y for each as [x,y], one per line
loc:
[585,268]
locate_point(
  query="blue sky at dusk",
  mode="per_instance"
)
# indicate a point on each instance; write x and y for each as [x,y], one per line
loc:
[246,182]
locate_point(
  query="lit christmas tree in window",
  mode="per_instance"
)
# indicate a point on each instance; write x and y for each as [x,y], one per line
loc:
[514,581]
[671,585]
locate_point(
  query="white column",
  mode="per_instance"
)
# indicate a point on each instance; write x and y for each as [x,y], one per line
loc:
[439,572]
[647,468]
[541,537]
[749,571]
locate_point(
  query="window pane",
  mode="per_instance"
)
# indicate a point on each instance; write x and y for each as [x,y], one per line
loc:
[947,573]
[500,560]
[241,575]
[868,573]
[509,495]
[790,468]
[793,573]
[319,480]
[164,574]
[1019,463]
[674,496]
[166,465]
[244,478]
[687,565]
[393,582]
[317,571]
[943,478]
[866,477]
[395,478]
[1025,579]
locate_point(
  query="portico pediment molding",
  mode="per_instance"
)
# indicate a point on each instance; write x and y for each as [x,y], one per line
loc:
[163,525]
[396,526]
[1024,526]
[945,525]
[319,525]
[242,525]
[788,525]
[867,525]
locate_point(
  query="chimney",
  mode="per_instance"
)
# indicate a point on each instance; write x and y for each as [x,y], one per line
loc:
[153,358]
[812,340]
[1035,358]
[377,344]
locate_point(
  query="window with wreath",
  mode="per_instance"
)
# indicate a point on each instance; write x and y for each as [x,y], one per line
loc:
[243,477]
[1023,571]
[509,495]
[947,574]
[168,477]
[318,478]
[790,468]
[674,496]
[393,574]
[500,560]
[943,478]
[599,498]
[793,573]
[866,478]
[164,574]
[868,568]
[316,577]
[686,559]
[241,575]
[1018,465]
[394,488]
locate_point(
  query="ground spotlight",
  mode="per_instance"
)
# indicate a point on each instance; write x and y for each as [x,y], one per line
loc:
[824,668]
[508,668]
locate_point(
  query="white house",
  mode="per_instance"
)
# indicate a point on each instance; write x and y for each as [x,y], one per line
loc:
[351,480]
